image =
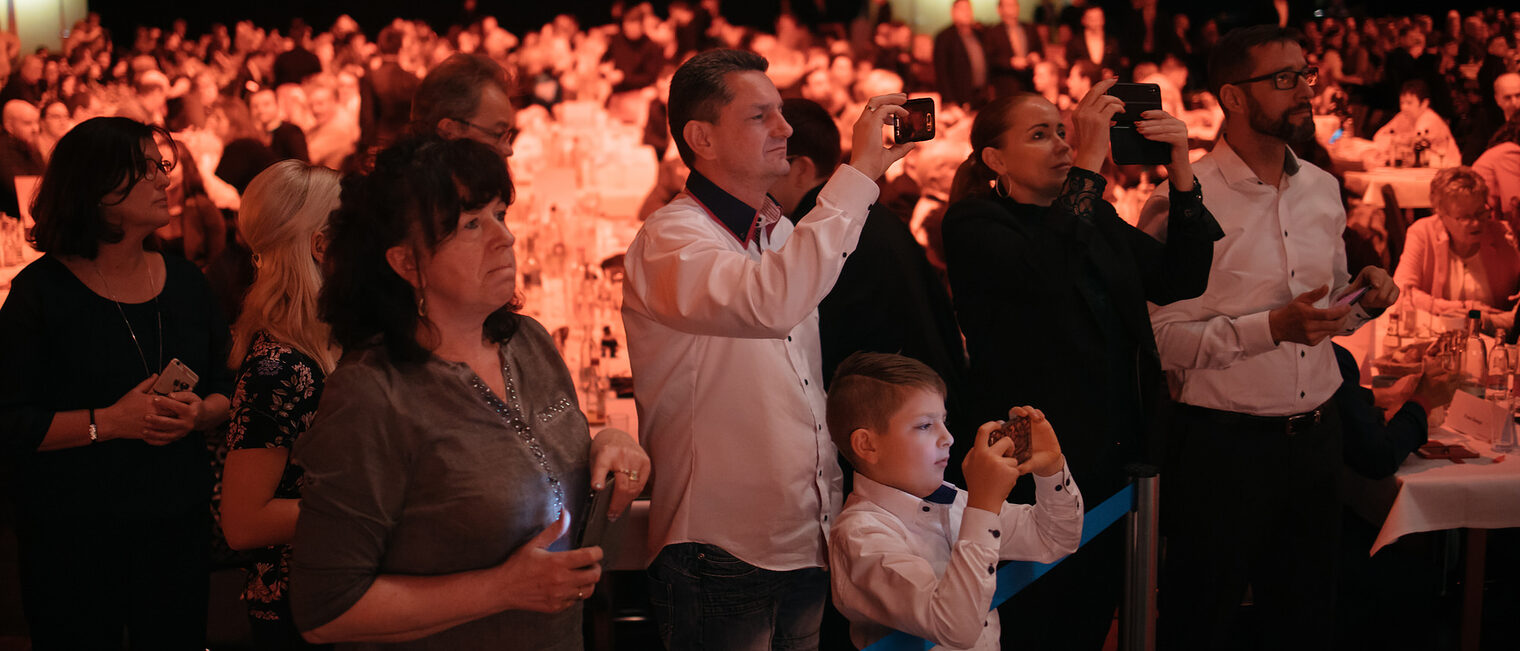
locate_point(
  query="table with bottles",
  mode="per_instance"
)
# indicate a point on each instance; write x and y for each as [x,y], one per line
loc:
[579,182]
[1442,494]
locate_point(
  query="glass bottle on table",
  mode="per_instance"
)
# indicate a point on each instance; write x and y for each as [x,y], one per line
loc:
[1499,389]
[1474,360]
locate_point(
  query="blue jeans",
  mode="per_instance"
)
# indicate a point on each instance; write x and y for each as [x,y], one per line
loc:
[704,598]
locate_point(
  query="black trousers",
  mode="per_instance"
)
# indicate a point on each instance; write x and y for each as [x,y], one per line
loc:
[97,583]
[1246,503]
[1072,607]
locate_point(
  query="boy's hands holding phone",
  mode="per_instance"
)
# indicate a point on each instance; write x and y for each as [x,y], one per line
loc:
[992,467]
[990,471]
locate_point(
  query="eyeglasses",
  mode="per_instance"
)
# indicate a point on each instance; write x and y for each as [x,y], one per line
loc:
[507,135]
[1480,215]
[156,167]
[1287,79]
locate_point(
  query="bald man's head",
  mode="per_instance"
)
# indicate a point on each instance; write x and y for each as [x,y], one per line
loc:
[1507,93]
[21,119]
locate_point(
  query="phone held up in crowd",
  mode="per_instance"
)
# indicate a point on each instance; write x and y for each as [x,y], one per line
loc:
[1129,147]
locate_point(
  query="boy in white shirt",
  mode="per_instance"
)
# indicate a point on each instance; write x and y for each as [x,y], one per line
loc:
[911,552]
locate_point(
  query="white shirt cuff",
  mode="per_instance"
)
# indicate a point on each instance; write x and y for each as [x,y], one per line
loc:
[1255,333]
[978,527]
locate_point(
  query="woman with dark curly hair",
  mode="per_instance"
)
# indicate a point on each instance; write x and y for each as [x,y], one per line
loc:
[449,446]
[112,480]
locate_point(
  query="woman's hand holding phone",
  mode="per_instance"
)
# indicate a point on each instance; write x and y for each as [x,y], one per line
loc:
[1091,120]
[1160,126]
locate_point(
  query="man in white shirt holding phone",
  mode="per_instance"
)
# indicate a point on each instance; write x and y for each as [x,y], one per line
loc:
[1254,454]
[720,303]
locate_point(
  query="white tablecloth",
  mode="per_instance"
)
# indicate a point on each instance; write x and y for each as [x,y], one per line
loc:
[1410,184]
[1437,494]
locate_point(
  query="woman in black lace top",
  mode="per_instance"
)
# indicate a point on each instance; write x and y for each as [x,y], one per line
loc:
[1050,287]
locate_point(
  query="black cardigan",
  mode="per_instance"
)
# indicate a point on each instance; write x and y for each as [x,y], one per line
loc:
[1047,295]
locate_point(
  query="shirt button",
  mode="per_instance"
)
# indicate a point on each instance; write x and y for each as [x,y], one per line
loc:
[996,533]
[825,518]
[844,255]
[1292,273]
[1058,487]
[788,337]
[820,473]
[1285,233]
[804,382]
[1300,394]
[992,569]
[1300,353]
[820,428]
[926,508]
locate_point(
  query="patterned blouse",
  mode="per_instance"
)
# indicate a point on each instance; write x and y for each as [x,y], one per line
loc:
[276,398]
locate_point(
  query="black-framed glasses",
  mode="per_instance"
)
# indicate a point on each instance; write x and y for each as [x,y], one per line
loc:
[507,135]
[1286,79]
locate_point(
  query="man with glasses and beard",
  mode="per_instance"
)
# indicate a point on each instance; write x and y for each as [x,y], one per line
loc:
[1254,451]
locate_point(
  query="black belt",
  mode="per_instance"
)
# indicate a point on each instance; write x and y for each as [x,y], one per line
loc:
[1289,425]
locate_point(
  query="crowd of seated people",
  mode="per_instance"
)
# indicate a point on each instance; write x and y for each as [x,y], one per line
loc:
[242,97]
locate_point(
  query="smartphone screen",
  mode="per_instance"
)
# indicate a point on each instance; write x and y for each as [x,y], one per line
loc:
[919,125]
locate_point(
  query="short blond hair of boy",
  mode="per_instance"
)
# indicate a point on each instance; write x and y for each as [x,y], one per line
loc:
[868,388]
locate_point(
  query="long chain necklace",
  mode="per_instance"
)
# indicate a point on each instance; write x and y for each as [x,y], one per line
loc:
[119,310]
[512,415]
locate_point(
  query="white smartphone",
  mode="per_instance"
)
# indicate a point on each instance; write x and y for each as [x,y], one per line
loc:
[175,377]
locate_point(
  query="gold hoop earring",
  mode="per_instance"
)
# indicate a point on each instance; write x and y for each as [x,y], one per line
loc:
[422,306]
[998,188]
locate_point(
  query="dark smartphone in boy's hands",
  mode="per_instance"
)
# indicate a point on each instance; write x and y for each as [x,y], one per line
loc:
[1129,147]
[1017,428]
[919,125]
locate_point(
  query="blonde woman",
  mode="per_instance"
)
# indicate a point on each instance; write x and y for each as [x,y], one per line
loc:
[283,353]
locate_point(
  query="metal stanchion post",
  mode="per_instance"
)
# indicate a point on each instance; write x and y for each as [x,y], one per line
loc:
[1142,545]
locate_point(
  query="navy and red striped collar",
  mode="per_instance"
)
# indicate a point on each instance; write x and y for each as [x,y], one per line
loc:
[737,217]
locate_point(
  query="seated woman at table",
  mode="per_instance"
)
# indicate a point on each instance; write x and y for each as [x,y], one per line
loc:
[283,353]
[113,495]
[1460,258]
[449,449]
[1415,122]
[1051,287]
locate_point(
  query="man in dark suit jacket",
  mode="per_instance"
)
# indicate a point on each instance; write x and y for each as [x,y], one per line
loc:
[1012,50]
[1094,44]
[385,95]
[18,151]
[960,62]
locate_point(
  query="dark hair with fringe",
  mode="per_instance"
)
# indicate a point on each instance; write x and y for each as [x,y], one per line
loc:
[1231,59]
[868,388]
[93,160]
[415,194]
[973,178]
[698,90]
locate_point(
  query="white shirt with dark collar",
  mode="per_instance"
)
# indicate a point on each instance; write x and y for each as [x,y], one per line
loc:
[1279,242]
[927,566]
[721,306]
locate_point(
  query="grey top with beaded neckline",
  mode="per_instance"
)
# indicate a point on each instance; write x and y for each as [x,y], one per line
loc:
[409,470]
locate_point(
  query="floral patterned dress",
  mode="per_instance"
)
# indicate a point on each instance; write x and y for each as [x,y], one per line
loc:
[276,398]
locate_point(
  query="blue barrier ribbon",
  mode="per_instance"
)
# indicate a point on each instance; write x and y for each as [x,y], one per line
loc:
[1017,575]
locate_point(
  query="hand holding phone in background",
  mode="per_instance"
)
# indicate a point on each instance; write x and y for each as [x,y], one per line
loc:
[918,125]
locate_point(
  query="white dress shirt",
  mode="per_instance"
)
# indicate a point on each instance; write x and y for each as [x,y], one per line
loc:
[1279,242]
[926,566]
[723,341]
